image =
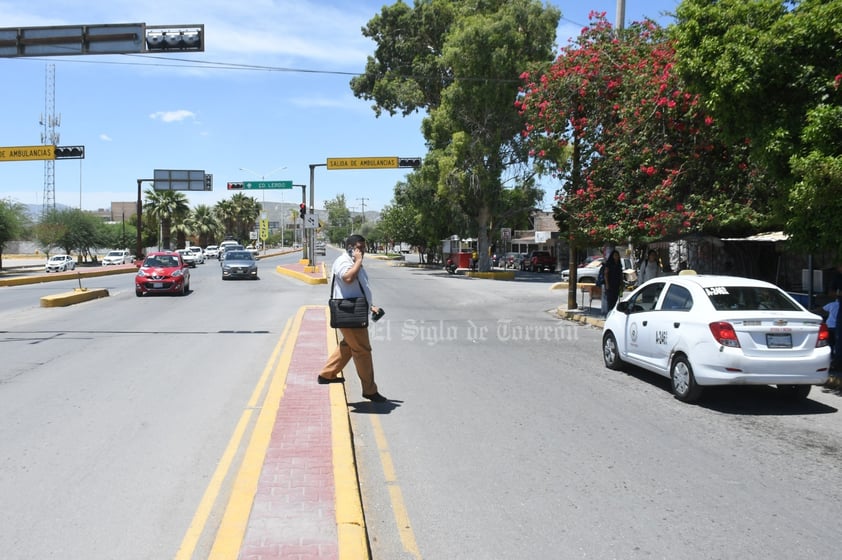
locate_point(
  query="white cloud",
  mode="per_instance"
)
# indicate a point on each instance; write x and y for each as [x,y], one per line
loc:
[173,116]
[105,138]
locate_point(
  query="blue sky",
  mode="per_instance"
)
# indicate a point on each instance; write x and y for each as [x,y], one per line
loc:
[138,113]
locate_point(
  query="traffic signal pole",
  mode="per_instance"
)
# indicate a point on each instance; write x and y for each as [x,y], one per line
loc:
[311,236]
[139,247]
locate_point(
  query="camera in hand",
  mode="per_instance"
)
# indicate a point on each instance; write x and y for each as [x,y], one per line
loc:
[375,315]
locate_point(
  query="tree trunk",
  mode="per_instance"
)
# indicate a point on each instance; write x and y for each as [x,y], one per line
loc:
[483,217]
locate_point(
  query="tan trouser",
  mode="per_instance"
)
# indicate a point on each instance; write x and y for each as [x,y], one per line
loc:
[354,344]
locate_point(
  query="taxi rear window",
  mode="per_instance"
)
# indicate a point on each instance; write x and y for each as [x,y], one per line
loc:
[749,298]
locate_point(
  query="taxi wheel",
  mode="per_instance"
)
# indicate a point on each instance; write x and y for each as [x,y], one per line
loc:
[684,385]
[610,352]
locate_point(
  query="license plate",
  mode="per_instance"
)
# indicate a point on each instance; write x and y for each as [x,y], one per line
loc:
[157,285]
[779,340]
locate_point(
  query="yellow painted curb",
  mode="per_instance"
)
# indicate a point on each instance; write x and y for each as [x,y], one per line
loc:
[350,520]
[508,275]
[303,277]
[58,276]
[70,298]
[580,317]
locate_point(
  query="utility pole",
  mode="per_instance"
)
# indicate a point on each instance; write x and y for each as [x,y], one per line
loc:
[362,204]
[621,14]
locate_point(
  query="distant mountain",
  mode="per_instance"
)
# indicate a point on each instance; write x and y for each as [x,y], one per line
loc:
[33,211]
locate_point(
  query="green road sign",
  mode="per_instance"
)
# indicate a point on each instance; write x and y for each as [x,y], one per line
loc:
[260,185]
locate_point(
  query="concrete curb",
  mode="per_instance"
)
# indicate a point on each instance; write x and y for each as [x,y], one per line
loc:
[304,277]
[69,275]
[508,275]
[70,298]
[350,516]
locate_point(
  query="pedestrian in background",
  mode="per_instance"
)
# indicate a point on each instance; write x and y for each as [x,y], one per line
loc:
[613,279]
[832,310]
[650,268]
[352,282]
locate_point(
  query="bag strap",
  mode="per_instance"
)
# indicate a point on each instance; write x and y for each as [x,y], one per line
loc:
[333,280]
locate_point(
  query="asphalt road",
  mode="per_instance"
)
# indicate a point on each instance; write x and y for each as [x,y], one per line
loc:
[507,438]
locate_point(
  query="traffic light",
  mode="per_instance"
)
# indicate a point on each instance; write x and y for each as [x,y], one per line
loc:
[302,210]
[235,186]
[409,162]
[163,38]
[208,181]
[70,152]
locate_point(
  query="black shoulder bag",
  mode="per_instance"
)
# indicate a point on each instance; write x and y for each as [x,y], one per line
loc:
[348,313]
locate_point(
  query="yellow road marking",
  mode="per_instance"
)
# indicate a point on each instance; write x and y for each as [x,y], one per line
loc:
[203,511]
[395,494]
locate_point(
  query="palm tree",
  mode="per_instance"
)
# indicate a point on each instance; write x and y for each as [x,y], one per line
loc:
[204,224]
[166,206]
[225,214]
[247,210]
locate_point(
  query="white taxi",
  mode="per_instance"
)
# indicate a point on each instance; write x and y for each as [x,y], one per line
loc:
[701,330]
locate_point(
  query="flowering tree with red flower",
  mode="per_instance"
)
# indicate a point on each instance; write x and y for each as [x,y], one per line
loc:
[637,156]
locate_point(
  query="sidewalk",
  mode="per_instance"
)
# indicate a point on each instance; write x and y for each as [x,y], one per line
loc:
[302,501]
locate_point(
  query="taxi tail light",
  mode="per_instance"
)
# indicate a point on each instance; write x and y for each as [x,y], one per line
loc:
[824,336]
[725,334]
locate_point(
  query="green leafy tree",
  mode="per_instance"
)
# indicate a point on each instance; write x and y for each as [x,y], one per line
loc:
[338,219]
[459,62]
[120,235]
[769,71]
[71,230]
[13,222]
[645,159]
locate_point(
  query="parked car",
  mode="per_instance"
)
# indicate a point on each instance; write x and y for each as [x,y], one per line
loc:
[188,257]
[117,257]
[539,261]
[321,248]
[511,260]
[162,272]
[212,252]
[239,264]
[198,253]
[700,330]
[587,274]
[60,263]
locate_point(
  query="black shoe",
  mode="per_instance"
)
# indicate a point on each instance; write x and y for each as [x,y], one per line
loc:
[325,380]
[376,397]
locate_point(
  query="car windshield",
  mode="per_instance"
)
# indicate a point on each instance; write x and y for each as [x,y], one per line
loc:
[749,298]
[237,256]
[115,254]
[163,260]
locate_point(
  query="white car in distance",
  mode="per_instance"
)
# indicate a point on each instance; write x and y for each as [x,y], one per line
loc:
[117,257]
[60,263]
[197,251]
[188,256]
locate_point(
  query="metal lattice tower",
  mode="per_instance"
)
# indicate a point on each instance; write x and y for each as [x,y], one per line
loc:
[49,122]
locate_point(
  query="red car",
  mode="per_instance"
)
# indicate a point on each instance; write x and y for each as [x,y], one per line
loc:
[162,272]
